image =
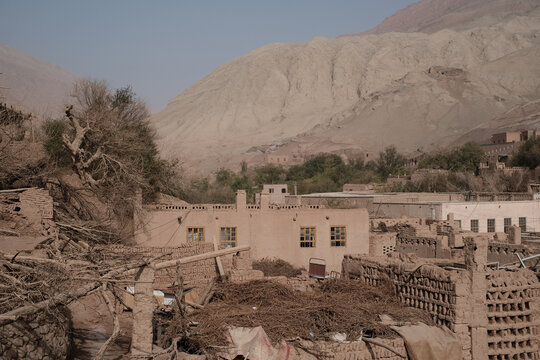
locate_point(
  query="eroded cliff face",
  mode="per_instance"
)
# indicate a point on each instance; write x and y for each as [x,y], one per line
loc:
[408,89]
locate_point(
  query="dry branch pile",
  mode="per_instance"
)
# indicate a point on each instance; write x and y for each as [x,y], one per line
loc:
[343,306]
[276,267]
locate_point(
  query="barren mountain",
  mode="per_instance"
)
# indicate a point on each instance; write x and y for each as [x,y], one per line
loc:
[433,15]
[356,92]
[34,85]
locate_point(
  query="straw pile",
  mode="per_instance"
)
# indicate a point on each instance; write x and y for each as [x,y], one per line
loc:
[276,267]
[344,306]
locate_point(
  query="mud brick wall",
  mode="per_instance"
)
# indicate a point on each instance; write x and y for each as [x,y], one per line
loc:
[363,351]
[422,247]
[505,253]
[36,203]
[382,243]
[196,274]
[513,312]
[443,294]
[41,337]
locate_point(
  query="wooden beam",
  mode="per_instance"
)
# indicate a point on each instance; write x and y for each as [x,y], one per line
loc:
[209,255]
[218,259]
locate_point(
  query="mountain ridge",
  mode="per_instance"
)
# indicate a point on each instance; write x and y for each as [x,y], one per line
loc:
[34,85]
[357,92]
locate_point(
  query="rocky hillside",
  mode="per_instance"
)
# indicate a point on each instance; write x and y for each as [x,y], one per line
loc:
[33,85]
[414,90]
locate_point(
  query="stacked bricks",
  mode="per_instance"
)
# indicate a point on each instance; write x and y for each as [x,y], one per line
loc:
[513,314]
[197,274]
[242,269]
[36,203]
[40,337]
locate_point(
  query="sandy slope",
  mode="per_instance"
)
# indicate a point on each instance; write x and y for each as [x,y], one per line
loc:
[33,84]
[355,92]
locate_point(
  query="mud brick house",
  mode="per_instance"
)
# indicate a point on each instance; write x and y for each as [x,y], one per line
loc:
[294,233]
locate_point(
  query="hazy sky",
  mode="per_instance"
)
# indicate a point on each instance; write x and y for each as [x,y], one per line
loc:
[162,47]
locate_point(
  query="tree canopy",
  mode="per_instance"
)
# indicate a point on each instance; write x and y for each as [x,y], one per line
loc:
[464,158]
[528,154]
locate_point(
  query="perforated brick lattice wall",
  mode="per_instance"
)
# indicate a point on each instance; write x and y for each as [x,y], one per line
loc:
[505,253]
[429,288]
[443,294]
[513,320]
[423,247]
[387,249]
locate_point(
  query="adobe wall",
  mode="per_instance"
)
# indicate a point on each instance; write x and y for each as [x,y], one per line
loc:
[344,202]
[505,253]
[495,313]
[382,243]
[269,231]
[409,210]
[441,293]
[424,247]
[41,337]
[352,351]
[513,313]
[196,274]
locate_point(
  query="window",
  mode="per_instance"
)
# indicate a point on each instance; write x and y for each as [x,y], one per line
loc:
[507,224]
[338,236]
[195,234]
[523,224]
[283,190]
[474,225]
[307,237]
[271,190]
[228,236]
[490,225]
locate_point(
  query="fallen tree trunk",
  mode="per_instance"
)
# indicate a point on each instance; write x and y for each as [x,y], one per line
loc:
[66,298]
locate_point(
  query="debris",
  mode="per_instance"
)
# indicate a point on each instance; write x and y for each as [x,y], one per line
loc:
[276,267]
[345,306]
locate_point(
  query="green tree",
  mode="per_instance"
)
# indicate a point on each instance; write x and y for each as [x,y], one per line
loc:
[528,154]
[389,162]
[465,158]
[109,140]
[269,174]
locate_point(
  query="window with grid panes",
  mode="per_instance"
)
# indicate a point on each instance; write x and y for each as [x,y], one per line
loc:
[195,234]
[474,225]
[507,224]
[490,225]
[523,224]
[338,236]
[227,236]
[307,236]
